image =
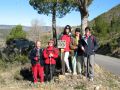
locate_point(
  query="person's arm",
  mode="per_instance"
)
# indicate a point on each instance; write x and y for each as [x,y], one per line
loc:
[31,55]
[42,62]
[41,54]
[61,38]
[81,44]
[56,53]
[45,54]
[72,46]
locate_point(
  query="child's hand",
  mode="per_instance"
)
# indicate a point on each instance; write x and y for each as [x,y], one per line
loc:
[75,47]
[36,58]
[51,55]
[62,50]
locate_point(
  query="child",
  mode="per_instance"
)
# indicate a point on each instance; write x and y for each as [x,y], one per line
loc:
[50,54]
[37,62]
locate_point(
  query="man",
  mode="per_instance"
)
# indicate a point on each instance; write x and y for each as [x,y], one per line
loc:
[76,52]
[37,62]
[67,38]
[50,54]
[89,46]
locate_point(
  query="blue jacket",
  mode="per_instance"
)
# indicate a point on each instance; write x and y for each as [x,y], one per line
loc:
[33,54]
[90,45]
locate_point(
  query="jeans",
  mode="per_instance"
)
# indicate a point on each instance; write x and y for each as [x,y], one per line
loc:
[77,63]
[89,65]
[49,71]
[80,60]
[66,56]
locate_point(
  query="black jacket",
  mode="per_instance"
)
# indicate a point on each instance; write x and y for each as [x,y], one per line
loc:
[90,45]
[32,55]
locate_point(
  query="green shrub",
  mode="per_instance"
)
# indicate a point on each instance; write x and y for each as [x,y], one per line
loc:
[22,59]
[3,64]
[17,60]
[16,32]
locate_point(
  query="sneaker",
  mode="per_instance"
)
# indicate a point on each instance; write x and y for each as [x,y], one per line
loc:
[41,82]
[91,79]
[80,75]
[74,73]
[69,71]
[36,85]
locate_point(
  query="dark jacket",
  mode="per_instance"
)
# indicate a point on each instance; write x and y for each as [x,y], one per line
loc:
[33,54]
[90,45]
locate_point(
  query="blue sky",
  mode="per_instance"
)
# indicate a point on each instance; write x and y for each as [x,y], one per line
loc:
[13,12]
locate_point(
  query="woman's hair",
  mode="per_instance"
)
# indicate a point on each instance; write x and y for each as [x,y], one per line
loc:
[77,30]
[67,27]
[87,29]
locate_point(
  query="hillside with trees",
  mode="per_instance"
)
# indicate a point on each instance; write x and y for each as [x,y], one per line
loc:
[107,29]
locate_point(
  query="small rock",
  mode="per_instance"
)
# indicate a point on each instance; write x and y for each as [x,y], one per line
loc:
[61,77]
[97,88]
[84,78]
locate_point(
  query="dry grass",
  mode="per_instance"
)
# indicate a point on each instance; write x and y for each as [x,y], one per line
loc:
[103,80]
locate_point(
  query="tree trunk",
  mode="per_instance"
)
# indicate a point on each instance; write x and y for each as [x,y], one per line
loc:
[54,23]
[84,22]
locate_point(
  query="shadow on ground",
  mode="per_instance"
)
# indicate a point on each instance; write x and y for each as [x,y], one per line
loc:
[26,73]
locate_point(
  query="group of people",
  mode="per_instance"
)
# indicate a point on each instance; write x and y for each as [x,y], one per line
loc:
[80,48]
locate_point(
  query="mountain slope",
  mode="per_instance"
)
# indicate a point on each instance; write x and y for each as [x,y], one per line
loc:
[106,28]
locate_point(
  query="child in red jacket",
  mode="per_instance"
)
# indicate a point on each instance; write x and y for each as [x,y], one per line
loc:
[50,54]
[37,62]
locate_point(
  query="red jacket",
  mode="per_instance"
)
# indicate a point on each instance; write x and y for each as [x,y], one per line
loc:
[47,52]
[67,38]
